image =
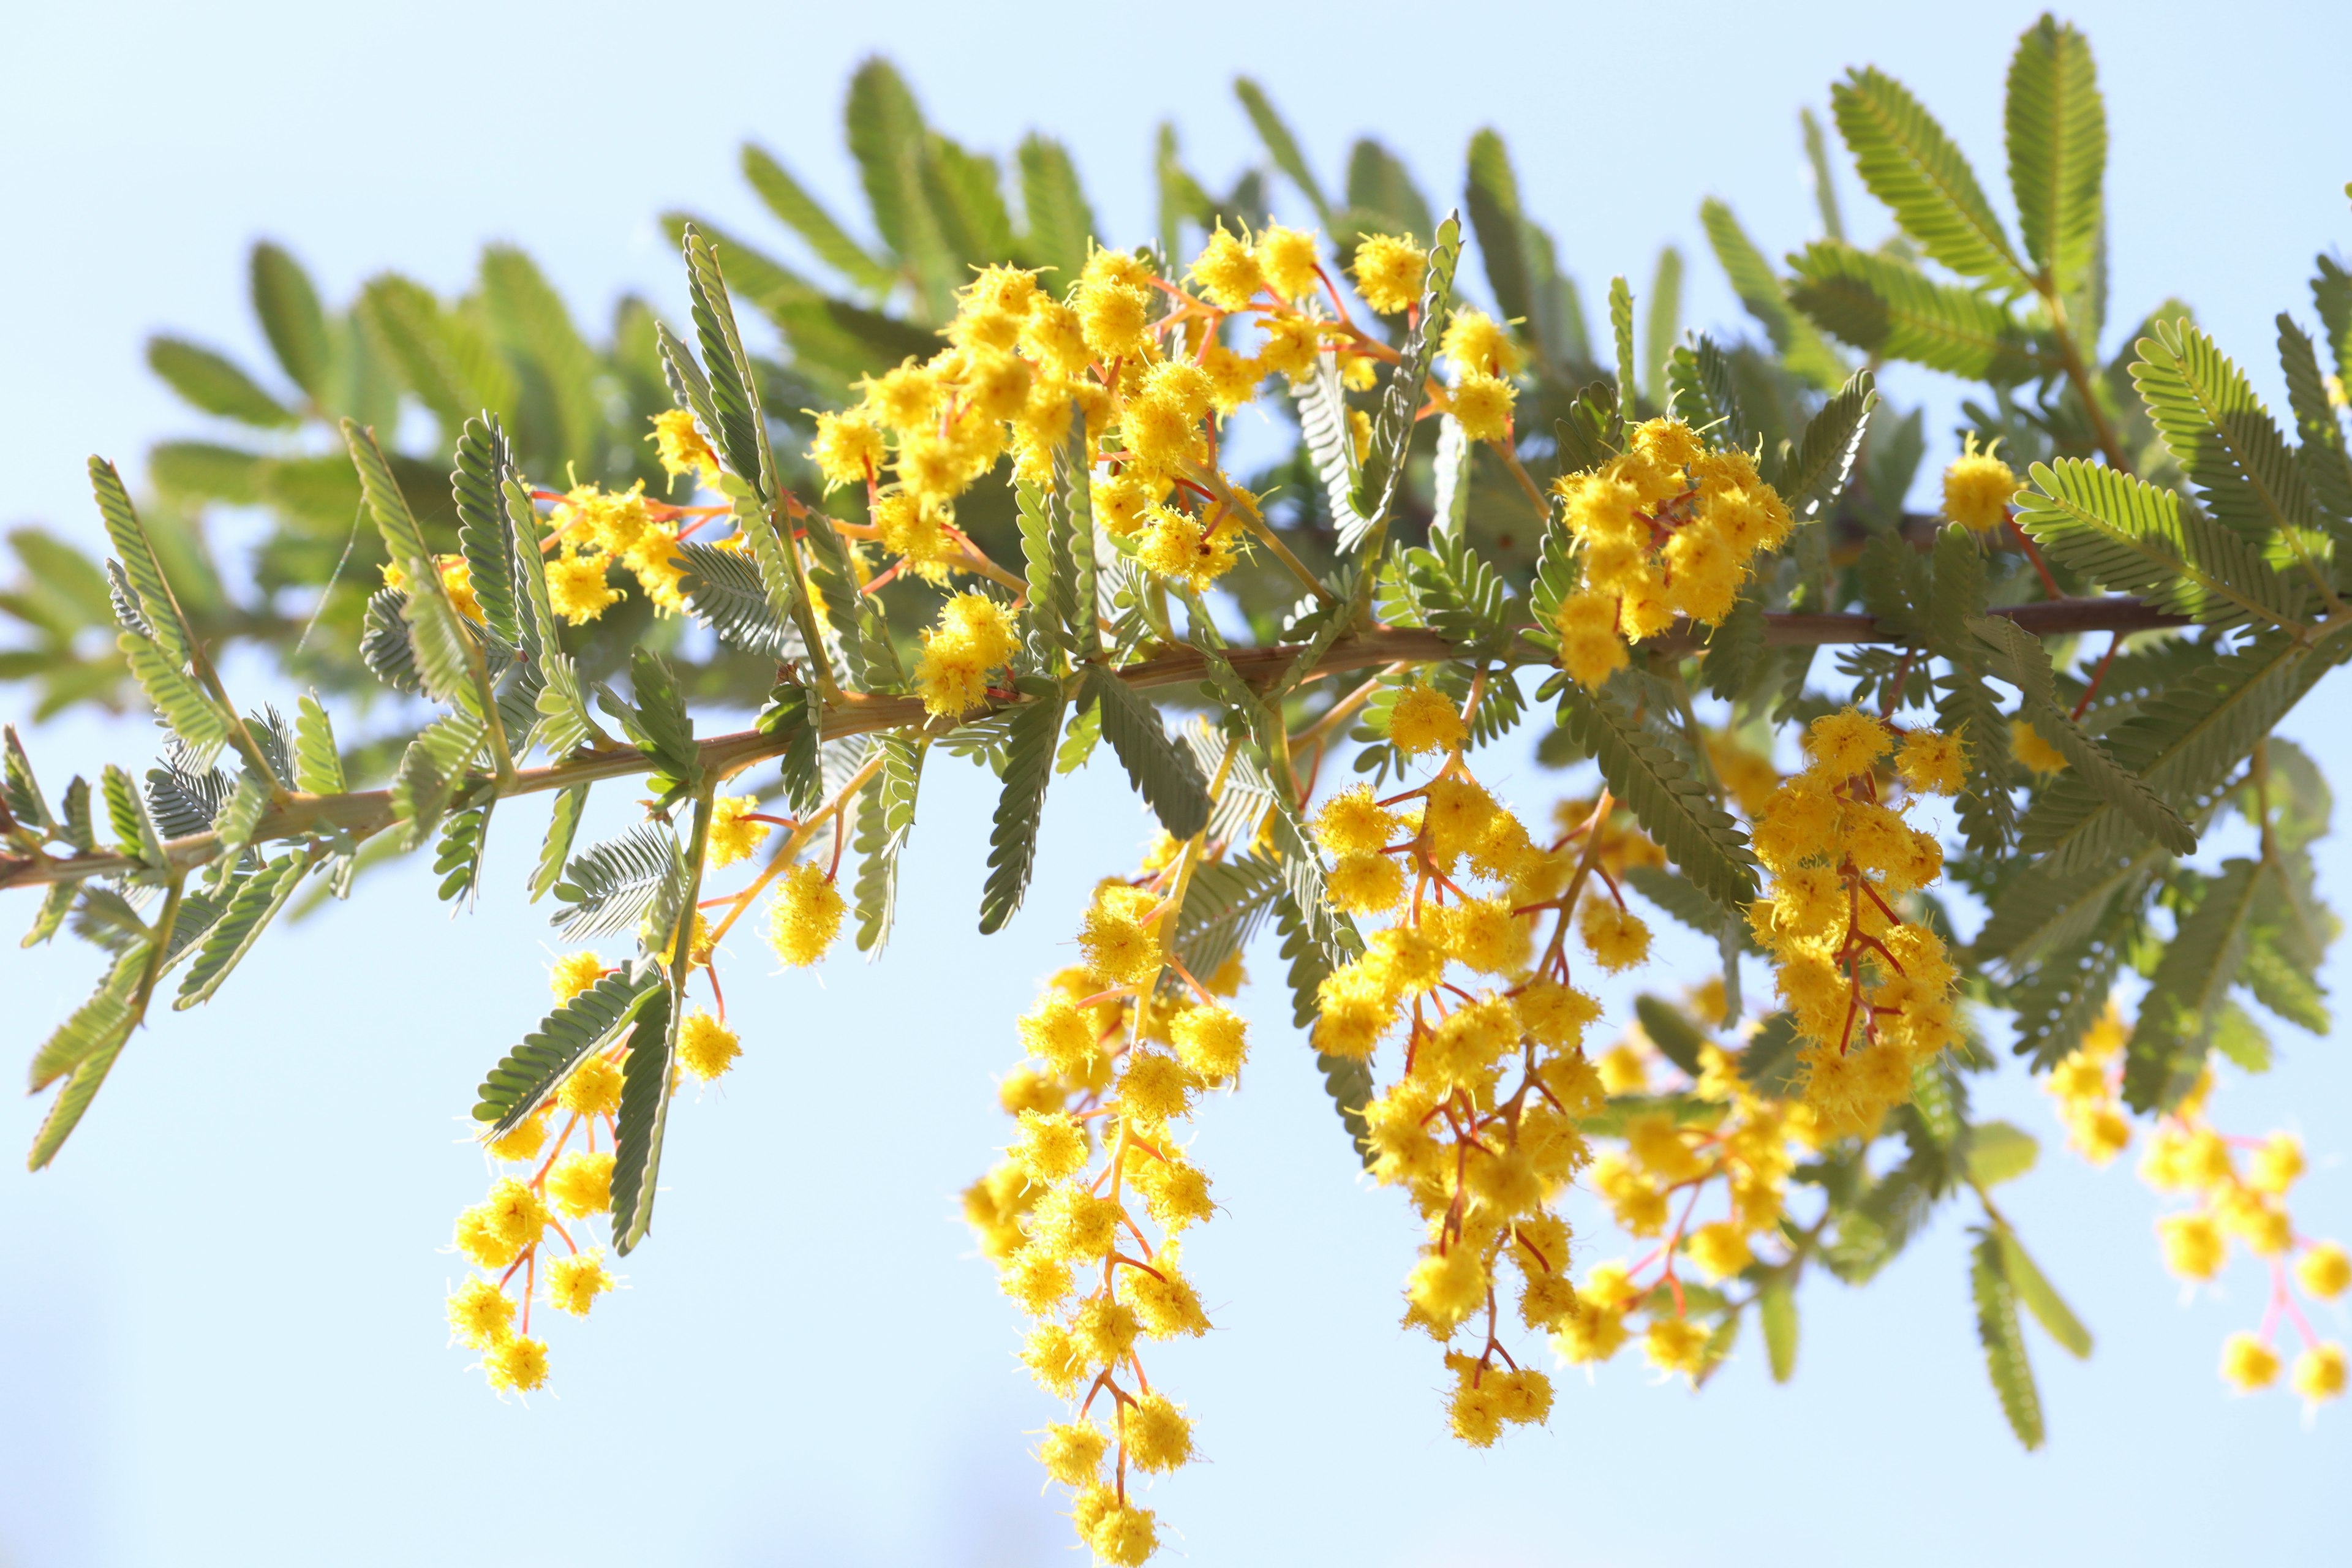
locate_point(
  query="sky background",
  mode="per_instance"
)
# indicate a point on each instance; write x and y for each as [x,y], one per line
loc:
[220,1334]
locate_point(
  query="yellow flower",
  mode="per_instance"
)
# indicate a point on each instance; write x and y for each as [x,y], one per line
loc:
[576,586]
[519,1363]
[848,450]
[1288,258]
[706,1047]
[2319,1372]
[681,448]
[2324,1271]
[2247,1363]
[1977,488]
[1389,270]
[1228,271]
[1425,721]
[581,1184]
[733,836]
[481,1314]
[805,917]
[2026,744]
[574,1283]
[1482,402]
[1477,342]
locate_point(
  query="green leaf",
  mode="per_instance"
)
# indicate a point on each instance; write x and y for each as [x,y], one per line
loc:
[1281,146]
[1999,1152]
[134,828]
[793,712]
[562,827]
[739,432]
[566,723]
[2049,1309]
[658,723]
[1621,329]
[288,306]
[643,1117]
[1225,905]
[215,384]
[193,716]
[1330,444]
[53,905]
[1776,1309]
[2004,1346]
[805,216]
[255,903]
[2184,743]
[2057,134]
[1060,220]
[1674,1036]
[2325,465]
[610,885]
[2093,766]
[1682,900]
[2133,537]
[1663,325]
[1071,532]
[1401,399]
[1891,309]
[1812,474]
[137,555]
[580,1028]
[529,319]
[967,199]
[1029,739]
[101,1023]
[1704,395]
[1817,161]
[318,763]
[99,1033]
[885,818]
[1676,809]
[447,662]
[1162,772]
[1908,161]
[2217,429]
[1803,350]
[2188,990]
[457,862]
[485,534]
[887,138]
[724,593]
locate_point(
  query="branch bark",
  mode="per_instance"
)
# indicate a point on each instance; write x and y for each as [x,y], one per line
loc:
[366,811]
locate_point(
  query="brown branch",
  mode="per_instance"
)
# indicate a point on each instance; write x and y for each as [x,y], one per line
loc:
[366,811]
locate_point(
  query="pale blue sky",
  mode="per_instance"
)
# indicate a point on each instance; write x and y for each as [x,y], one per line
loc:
[219,1317]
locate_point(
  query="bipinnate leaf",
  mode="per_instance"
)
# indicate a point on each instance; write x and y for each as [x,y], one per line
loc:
[1029,740]
[2056,130]
[537,1067]
[1163,772]
[2136,538]
[254,904]
[2004,1345]
[643,1116]
[1698,835]
[1908,163]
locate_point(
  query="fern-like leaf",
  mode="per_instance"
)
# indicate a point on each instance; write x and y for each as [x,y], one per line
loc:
[1891,309]
[608,888]
[232,936]
[2004,1344]
[886,816]
[1029,742]
[1908,163]
[2136,538]
[537,1067]
[643,1117]
[1675,809]
[1162,772]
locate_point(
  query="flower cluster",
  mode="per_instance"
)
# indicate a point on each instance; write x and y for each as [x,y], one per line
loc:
[1871,992]
[1480,1123]
[561,1185]
[1671,526]
[2238,1187]
[1118,1048]
[1654,1174]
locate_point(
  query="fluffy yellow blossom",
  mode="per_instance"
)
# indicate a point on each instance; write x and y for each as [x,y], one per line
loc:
[574,972]
[581,1184]
[706,1047]
[1483,404]
[681,447]
[2026,744]
[574,1283]
[848,449]
[519,1364]
[805,917]
[481,1314]
[577,589]
[1389,269]
[1977,488]
[2247,1363]
[2319,1372]
[1424,720]
[2324,1271]
[1287,258]
[733,834]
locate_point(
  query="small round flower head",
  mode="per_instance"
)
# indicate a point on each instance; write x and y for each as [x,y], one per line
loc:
[478,1237]
[1118,949]
[593,1089]
[1038,1280]
[1073,1452]
[1104,1330]
[1212,1042]
[2326,1271]
[576,586]
[581,1184]
[1676,1344]
[848,449]
[706,1047]
[2247,1363]
[1931,763]
[1475,1412]
[1477,342]
[1228,271]
[516,1214]
[1053,1359]
[1115,318]
[574,1283]
[1125,1537]
[1842,744]
[522,1141]
[681,448]
[1367,884]
[1482,402]
[481,1314]
[1423,720]
[805,917]
[2276,1165]
[1165,1304]
[2194,1248]
[733,836]
[1051,1146]
[519,1363]
[1977,488]
[1719,1250]
[1617,938]
[1389,269]
[2319,1372]
[2026,744]
[572,974]
[1158,1439]
[1352,823]
[1444,1287]
[1287,258]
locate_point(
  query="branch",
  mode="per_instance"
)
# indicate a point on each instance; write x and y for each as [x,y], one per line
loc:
[366,811]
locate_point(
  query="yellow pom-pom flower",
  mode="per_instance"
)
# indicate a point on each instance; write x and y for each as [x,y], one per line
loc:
[1389,269]
[805,917]
[706,1047]
[574,1283]
[1977,488]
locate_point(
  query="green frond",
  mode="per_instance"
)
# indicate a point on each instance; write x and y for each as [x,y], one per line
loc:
[2004,1345]
[805,216]
[2056,128]
[1029,743]
[537,1067]
[2133,537]
[885,818]
[645,1115]
[1162,772]
[1910,164]
[2218,432]
[1803,350]
[1674,808]
[1891,309]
